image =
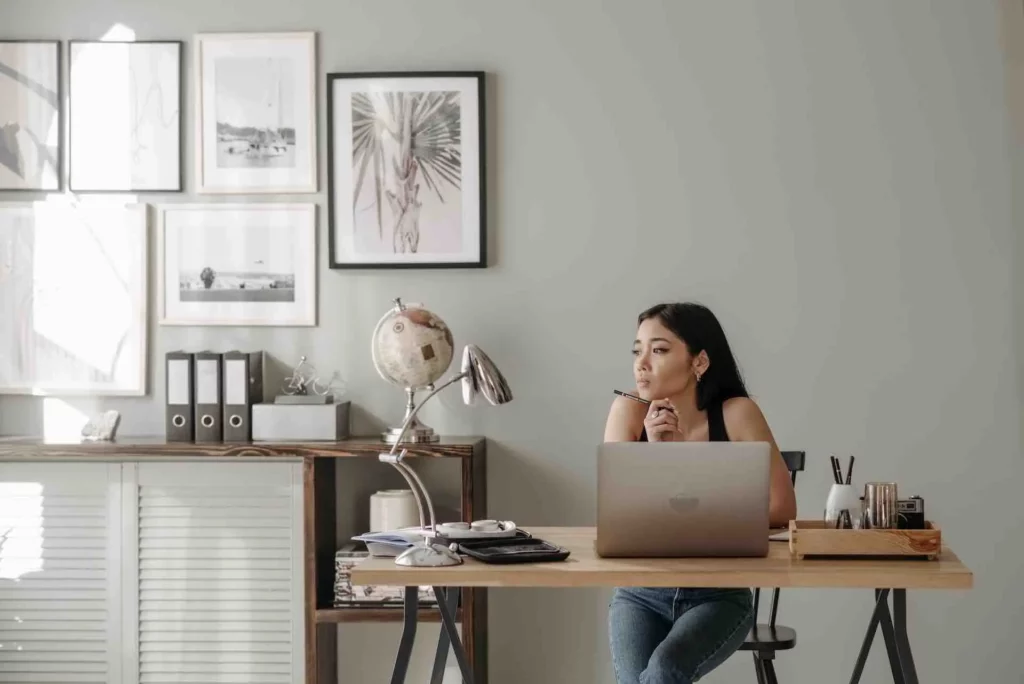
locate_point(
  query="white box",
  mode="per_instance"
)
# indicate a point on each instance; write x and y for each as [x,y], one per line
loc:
[300,422]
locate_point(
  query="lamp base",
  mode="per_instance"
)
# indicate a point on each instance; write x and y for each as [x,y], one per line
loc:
[428,556]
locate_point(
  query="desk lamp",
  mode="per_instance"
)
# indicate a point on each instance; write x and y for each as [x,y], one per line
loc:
[479,376]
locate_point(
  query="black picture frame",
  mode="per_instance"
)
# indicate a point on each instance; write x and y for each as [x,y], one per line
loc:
[433,173]
[178,98]
[7,154]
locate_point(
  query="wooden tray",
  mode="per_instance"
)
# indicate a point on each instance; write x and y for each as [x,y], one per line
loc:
[809,538]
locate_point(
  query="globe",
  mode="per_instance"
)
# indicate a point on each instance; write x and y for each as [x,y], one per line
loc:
[412,347]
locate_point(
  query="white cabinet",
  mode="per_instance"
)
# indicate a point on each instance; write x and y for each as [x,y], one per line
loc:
[151,573]
[218,566]
[60,585]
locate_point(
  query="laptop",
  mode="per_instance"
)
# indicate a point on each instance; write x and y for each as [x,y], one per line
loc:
[682,499]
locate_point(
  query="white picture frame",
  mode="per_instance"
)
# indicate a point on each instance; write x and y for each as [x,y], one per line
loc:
[73,298]
[261,259]
[125,118]
[255,99]
[31,116]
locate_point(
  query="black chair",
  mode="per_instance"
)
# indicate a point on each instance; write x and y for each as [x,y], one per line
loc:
[765,640]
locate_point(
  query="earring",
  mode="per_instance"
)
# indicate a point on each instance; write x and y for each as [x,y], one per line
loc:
[698,377]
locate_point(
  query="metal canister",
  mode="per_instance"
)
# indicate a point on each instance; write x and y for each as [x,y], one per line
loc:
[881,505]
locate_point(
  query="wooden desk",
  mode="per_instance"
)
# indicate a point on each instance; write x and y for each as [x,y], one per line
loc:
[584,568]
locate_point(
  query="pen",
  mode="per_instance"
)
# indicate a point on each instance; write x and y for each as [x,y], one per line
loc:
[837,473]
[849,470]
[637,399]
[632,396]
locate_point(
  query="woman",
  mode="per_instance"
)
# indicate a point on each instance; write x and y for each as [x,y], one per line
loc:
[683,364]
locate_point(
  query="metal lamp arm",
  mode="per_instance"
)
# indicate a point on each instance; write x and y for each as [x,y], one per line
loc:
[408,421]
[423,497]
[419,491]
[405,471]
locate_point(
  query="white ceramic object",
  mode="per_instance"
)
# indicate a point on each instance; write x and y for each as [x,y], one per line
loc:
[843,497]
[393,509]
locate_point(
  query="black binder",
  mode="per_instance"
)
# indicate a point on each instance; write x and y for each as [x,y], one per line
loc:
[243,387]
[209,397]
[180,397]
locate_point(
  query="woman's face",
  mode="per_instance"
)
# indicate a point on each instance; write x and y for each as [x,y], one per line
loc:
[663,366]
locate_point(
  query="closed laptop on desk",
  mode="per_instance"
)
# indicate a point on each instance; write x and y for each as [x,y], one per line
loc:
[675,499]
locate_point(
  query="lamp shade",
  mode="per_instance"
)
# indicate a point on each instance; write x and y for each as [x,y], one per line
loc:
[482,377]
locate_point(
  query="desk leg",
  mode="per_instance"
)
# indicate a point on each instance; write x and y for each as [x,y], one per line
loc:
[899,606]
[890,646]
[448,619]
[881,599]
[412,605]
[894,631]
[451,599]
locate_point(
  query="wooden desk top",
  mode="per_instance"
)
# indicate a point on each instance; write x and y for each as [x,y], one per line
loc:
[584,569]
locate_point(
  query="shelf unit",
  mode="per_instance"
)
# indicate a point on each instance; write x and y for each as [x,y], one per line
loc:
[319,522]
[321,534]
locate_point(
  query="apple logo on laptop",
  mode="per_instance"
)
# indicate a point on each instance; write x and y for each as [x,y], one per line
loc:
[681,503]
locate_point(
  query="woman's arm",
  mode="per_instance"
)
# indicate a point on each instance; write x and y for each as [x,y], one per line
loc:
[625,418]
[745,423]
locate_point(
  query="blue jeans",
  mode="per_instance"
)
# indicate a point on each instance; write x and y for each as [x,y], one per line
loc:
[675,636]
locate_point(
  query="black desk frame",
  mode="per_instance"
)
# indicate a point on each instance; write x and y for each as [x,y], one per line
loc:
[894,632]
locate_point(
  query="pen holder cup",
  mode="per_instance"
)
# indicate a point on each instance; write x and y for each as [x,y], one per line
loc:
[843,498]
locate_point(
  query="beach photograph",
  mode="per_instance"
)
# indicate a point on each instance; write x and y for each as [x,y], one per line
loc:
[232,263]
[255,112]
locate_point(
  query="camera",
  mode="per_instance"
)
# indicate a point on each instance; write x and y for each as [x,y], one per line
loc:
[910,513]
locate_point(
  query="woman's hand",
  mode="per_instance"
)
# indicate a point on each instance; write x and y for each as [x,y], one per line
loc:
[662,422]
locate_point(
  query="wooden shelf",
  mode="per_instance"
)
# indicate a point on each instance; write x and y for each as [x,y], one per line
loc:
[32,448]
[320,529]
[390,614]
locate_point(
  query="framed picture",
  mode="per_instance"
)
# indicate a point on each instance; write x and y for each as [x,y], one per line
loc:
[237,264]
[73,298]
[125,116]
[256,112]
[31,123]
[406,170]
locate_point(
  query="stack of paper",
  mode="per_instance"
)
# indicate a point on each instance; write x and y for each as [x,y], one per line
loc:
[389,543]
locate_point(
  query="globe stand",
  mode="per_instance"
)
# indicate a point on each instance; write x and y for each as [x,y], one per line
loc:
[411,429]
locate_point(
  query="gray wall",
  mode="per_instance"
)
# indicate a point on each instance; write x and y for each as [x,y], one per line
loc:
[834,178]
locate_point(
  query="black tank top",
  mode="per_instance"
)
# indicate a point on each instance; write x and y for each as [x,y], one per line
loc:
[716,425]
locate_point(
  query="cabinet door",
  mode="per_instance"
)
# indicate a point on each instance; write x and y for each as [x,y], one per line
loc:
[60,617]
[217,579]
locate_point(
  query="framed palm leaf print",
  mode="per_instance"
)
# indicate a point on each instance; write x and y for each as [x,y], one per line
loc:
[406,170]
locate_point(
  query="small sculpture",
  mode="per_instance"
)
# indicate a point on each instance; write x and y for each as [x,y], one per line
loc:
[303,386]
[103,427]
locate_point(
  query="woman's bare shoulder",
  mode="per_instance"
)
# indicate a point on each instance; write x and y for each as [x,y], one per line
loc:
[743,415]
[625,420]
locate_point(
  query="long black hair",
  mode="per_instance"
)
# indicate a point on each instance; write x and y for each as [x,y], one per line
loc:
[700,330]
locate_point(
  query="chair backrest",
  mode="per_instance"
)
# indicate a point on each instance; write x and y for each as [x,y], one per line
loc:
[794,462]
